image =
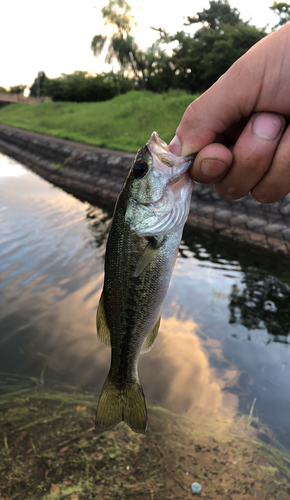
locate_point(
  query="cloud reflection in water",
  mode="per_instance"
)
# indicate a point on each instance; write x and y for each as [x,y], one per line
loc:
[178,376]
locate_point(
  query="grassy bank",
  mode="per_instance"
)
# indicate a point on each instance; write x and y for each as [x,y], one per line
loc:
[49,450]
[124,123]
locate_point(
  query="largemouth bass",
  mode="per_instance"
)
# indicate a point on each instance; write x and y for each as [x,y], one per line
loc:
[141,250]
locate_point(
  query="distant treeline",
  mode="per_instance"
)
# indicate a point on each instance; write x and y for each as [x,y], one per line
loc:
[82,87]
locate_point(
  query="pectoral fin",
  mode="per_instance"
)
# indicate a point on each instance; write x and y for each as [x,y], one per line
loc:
[146,256]
[150,339]
[103,331]
[148,253]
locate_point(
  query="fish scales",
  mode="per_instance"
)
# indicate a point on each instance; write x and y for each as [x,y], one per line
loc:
[141,250]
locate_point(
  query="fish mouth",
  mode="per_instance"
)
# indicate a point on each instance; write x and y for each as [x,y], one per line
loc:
[173,167]
[167,162]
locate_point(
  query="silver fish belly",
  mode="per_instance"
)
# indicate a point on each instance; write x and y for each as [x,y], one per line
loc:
[143,242]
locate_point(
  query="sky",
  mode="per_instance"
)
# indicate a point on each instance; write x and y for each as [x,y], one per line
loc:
[55,36]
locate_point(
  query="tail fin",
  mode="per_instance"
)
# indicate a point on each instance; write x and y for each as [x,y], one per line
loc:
[117,404]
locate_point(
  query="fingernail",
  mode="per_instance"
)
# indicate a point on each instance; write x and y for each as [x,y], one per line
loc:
[175,146]
[267,126]
[212,167]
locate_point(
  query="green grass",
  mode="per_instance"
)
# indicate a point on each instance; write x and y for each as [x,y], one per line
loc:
[124,123]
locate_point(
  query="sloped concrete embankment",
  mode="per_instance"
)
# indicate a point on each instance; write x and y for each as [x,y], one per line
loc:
[97,175]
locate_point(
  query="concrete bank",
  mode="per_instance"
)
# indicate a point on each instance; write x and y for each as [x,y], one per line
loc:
[97,175]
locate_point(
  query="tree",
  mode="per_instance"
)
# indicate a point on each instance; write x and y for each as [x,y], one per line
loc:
[199,60]
[37,88]
[82,87]
[202,59]
[122,46]
[159,69]
[17,89]
[219,12]
[282,9]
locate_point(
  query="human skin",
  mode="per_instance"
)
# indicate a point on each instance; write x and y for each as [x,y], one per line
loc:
[239,127]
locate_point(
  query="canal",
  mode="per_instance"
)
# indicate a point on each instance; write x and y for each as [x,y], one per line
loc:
[223,347]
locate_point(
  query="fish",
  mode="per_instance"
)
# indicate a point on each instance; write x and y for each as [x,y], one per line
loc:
[141,250]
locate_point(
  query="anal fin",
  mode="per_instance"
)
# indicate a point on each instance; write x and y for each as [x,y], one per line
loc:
[150,339]
[103,331]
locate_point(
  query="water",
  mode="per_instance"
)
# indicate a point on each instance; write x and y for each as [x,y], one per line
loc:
[224,337]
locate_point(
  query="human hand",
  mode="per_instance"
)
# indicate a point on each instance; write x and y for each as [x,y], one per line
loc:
[238,126]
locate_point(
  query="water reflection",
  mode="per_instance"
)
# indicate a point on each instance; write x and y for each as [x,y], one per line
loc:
[186,382]
[260,299]
[262,304]
[99,224]
[212,356]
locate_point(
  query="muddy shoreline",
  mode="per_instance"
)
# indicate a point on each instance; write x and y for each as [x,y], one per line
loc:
[97,175]
[51,452]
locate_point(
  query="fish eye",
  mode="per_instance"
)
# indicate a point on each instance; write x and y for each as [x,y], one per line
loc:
[140,169]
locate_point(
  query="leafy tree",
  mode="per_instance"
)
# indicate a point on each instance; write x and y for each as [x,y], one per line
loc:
[82,87]
[202,59]
[282,9]
[37,88]
[3,90]
[17,89]
[219,12]
[115,13]
[199,60]
[160,71]
[123,47]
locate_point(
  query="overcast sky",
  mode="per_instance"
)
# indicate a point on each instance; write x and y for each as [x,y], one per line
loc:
[55,36]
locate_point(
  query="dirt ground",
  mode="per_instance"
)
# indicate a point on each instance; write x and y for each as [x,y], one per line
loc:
[49,450]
